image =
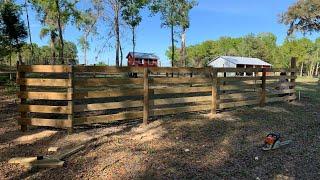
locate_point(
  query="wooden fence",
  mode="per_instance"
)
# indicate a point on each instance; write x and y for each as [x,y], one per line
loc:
[64,96]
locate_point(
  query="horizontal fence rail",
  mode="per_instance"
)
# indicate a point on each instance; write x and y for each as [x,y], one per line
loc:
[63,96]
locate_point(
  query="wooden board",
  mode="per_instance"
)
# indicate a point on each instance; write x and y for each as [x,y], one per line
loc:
[179,70]
[239,87]
[44,95]
[44,68]
[277,84]
[238,104]
[278,77]
[238,78]
[44,82]
[110,105]
[108,69]
[182,100]
[108,93]
[176,110]
[287,70]
[109,118]
[94,82]
[180,80]
[58,123]
[44,109]
[239,96]
[277,92]
[181,90]
[240,70]
[278,99]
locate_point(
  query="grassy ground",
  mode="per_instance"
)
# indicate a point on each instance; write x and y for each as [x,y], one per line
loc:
[188,146]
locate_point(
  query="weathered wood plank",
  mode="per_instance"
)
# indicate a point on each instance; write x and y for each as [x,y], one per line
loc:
[108,93]
[176,110]
[109,118]
[240,70]
[146,97]
[106,81]
[178,70]
[108,69]
[239,96]
[44,95]
[105,106]
[239,87]
[44,109]
[240,78]
[44,68]
[278,92]
[44,82]
[180,80]
[58,123]
[278,77]
[181,90]
[182,100]
[277,99]
[238,104]
[289,70]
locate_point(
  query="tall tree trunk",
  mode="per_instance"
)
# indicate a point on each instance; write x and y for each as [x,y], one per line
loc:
[60,33]
[183,48]
[117,31]
[301,70]
[19,51]
[317,69]
[29,31]
[85,50]
[121,55]
[172,45]
[133,42]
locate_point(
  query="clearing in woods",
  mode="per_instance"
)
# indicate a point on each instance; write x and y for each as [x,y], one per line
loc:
[186,146]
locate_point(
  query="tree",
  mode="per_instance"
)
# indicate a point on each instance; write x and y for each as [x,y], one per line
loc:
[302,16]
[55,15]
[131,15]
[12,28]
[169,13]
[184,6]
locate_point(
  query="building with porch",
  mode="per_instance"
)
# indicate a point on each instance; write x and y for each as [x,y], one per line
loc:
[142,59]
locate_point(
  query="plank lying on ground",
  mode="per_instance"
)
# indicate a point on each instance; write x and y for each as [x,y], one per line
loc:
[108,69]
[176,110]
[20,160]
[182,100]
[93,82]
[58,123]
[181,90]
[44,109]
[108,93]
[44,68]
[285,98]
[109,118]
[180,80]
[44,95]
[44,82]
[239,96]
[45,163]
[69,152]
[238,104]
[111,105]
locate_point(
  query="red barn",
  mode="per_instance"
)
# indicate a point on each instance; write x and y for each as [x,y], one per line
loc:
[142,59]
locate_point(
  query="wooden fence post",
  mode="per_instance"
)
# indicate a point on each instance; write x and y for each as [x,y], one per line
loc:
[214,76]
[293,73]
[71,100]
[145,95]
[263,87]
[23,88]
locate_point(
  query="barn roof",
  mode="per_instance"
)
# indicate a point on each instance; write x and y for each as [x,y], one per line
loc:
[244,60]
[143,55]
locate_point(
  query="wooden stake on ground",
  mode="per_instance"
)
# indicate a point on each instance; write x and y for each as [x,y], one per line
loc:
[23,115]
[263,87]
[146,96]
[214,91]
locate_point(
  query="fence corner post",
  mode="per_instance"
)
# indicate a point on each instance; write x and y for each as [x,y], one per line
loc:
[145,95]
[293,74]
[263,87]
[23,115]
[70,98]
[214,95]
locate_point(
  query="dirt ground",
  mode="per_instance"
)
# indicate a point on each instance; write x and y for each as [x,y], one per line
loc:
[187,146]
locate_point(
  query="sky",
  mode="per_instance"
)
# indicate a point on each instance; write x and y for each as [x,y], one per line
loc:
[210,20]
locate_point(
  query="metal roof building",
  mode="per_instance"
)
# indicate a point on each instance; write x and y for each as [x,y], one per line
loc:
[234,62]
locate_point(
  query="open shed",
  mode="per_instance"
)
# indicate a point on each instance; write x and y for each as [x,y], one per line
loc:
[238,62]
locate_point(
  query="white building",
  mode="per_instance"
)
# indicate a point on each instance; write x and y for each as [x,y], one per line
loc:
[238,62]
